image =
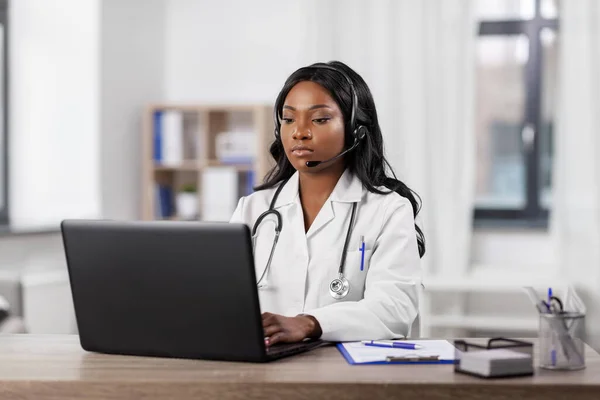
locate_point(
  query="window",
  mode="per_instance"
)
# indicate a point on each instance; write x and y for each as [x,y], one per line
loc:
[4,112]
[516,77]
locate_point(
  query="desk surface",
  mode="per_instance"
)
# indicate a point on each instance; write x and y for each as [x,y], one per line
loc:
[55,366]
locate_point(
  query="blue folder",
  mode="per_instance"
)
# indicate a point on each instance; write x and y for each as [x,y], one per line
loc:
[351,361]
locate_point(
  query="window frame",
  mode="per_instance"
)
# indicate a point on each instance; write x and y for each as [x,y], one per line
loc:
[4,20]
[533,214]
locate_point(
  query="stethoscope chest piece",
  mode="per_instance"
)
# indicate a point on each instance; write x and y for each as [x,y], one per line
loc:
[339,287]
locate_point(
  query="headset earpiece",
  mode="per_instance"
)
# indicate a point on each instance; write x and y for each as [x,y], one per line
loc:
[360,132]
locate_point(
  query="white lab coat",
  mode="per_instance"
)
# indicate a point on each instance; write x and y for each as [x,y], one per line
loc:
[383,298]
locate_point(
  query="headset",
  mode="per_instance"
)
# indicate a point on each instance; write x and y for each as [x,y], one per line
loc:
[358,132]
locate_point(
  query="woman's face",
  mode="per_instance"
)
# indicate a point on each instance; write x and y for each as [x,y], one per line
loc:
[312,126]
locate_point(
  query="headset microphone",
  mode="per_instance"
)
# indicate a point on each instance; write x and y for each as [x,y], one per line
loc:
[311,164]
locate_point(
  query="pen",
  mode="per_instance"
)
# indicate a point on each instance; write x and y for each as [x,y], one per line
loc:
[362,251]
[553,350]
[397,345]
[412,358]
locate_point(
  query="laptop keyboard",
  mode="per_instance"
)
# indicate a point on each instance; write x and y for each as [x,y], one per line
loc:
[291,348]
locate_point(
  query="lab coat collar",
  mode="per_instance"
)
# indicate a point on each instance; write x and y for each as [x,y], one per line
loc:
[348,189]
[289,192]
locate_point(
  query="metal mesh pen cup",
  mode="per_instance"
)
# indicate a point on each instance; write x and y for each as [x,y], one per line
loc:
[561,345]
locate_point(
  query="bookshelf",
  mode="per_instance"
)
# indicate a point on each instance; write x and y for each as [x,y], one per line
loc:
[212,152]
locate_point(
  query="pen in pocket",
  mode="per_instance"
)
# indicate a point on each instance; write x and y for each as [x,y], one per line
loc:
[362,253]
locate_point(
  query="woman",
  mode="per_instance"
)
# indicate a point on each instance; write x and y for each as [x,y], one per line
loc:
[346,264]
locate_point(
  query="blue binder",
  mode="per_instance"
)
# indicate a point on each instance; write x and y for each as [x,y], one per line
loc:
[408,359]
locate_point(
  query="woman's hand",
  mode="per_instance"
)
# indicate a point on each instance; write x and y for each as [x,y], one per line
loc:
[289,329]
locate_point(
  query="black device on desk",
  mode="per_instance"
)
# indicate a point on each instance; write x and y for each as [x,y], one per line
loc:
[168,288]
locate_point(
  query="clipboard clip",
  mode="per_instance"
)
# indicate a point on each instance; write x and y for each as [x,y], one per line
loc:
[414,358]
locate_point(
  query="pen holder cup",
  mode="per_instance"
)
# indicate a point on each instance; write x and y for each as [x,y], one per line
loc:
[561,345]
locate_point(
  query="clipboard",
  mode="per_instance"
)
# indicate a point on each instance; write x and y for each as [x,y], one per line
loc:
[433,352]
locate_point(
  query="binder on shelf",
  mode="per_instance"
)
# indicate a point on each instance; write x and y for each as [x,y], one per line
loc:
[235,147]
[164,204]
[220,193]
[157,136]
[250,182]
[172,130]
[168,137]
[246,183]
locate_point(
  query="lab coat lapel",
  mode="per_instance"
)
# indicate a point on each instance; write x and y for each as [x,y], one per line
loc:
[347,190]
[324,216]
[288,203]
[289,193]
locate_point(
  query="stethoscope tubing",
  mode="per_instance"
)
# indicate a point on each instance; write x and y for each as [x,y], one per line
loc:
[339,286]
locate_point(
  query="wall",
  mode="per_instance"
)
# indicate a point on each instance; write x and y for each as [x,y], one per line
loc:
[527,250]
[132,71]
[518,253]
[228,50]
[54,69]
[77,85]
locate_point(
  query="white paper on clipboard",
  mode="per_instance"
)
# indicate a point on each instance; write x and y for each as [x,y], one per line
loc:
[358,353]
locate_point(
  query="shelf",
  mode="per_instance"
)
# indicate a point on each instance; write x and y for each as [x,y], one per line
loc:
[184,166]
[239,167]
[194,166]
[484,323]
[201,125]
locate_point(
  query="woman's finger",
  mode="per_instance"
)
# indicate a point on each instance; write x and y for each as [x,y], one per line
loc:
[271,329]
[276,338]
[268,319]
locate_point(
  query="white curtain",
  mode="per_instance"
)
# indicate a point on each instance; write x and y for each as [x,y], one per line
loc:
[576,205]
[418,59]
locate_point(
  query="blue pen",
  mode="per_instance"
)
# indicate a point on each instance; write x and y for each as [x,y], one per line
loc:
[362,251]
[397,345]
[553,351]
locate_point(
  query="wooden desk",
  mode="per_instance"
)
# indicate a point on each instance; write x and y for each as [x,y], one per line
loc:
[55,367]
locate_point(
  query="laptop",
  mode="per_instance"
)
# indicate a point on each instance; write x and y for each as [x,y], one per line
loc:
[168,289]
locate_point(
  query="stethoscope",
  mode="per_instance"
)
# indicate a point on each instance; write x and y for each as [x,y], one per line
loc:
[339,287]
